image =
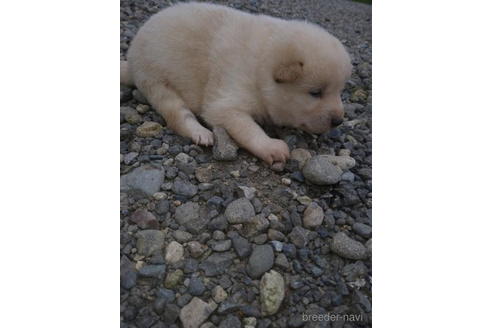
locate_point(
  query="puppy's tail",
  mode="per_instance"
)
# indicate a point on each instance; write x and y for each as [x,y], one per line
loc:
[125,75]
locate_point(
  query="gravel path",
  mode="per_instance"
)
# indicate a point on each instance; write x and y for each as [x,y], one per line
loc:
[208,243]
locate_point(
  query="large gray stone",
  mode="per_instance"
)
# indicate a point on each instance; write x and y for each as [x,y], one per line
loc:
[184,188]
[190,216]
[193,314]
[347,247]
[146,178]
[217,263]
[299,236]
[174,252]
[313,216]
[260,261]
[239,211]
[272,292]
[149,241]
[144,219]
[225,149]
[343,162]
[320,170]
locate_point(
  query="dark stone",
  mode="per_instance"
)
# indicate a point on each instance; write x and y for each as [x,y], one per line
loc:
[289,250]
[153,271]
[217,263]
[171,313]
[162,207]
[196,286]
[260,261]
[230,322]
[241,245]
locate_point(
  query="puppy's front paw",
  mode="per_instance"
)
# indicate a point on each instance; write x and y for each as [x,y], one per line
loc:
[274,150]
[202,137]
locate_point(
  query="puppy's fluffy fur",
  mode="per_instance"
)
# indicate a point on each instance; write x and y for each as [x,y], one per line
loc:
[238,70]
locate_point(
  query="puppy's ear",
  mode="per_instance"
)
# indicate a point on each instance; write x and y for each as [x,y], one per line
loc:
[288,73]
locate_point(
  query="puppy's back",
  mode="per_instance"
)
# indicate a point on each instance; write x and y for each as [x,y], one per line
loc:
[174,44]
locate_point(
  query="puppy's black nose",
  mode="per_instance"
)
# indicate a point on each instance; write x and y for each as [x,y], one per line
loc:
[336,121]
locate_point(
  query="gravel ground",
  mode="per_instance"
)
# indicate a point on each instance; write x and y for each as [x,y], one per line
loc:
[208,243]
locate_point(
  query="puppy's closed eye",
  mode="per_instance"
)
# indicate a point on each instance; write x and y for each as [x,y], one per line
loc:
[316,93]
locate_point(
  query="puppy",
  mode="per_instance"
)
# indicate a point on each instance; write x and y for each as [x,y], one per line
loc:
[238,70]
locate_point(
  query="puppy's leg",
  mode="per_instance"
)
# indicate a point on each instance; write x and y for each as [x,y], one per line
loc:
[248,134]
[178,118]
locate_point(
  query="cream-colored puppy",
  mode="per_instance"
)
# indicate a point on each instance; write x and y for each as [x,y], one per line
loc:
[238,70]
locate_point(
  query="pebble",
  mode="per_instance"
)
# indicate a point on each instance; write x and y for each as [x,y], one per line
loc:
[257,225]
[128,274]
[343,162]
[130,115]
[348,176]
[142,109]
[369,247]
[219,294]
[359,96]
[239,211]
[196,249]
[196,312]
[149,241]
[299,236]
[145,178]
[182,236]
[159,195]
[167,295]
[253,168]
[241,245]
[260,261]
[171,314]
[203,174]
[248,192]
[304,200]
[130,157]
[286,181]
[282,262]
[218,235]
[149,129]
[347,247]
[184,188]
[275,235]
[222,246]
[153,271]
[174,252]
[162,150]
[230,321]
[216,264]
[249,322]
[301,155]
[224,149]
[173,279]
[319,170]
[144,219]
[272,292]
[344,152]
[362,229]
[289,250]
[196,286]
[313,216]
[277,245]
[185,163]
[189,216]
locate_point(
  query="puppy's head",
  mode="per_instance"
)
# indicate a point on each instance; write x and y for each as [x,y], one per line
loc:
[307,74]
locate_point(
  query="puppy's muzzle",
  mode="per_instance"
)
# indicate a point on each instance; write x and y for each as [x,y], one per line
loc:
[336,121]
